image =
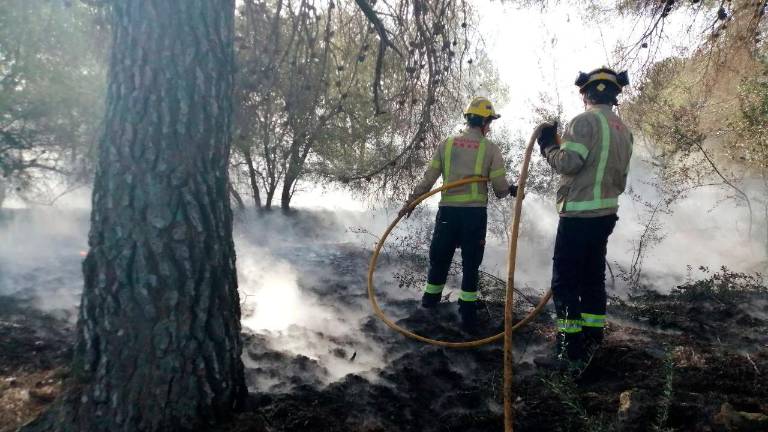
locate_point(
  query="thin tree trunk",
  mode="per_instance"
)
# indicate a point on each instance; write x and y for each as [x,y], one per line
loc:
[236,196]
[252,177]
[298,156]
[287,192]
[270,196]
[158,338]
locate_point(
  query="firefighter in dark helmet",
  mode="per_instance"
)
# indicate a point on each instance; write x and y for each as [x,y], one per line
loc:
[461,216]
[592,158]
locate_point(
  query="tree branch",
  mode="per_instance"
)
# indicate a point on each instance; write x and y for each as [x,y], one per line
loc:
[377,77]
[384,42]
[729,183]
[373,18]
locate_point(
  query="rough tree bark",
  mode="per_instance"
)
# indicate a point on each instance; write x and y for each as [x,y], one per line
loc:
[158,337]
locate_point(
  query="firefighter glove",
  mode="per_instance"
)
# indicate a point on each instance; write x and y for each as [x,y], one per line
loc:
[547,137]
[405,211]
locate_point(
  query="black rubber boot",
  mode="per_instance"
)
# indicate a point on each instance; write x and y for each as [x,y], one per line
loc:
[468,314]
[429,300]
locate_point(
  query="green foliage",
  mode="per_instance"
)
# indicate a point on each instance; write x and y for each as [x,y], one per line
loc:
[666,109]
[319,98]
[724,286]
[666,398]
[750,145]
[703,122]
[566,390]
[712,97]
[51,89]
[304,99]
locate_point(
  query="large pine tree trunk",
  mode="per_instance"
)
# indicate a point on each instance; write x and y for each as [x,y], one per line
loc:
[158,338]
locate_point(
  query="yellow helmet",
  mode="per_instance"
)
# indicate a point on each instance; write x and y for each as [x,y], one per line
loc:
[481,107]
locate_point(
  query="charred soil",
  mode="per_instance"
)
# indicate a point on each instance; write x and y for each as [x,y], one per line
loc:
[693,360]
[35,348]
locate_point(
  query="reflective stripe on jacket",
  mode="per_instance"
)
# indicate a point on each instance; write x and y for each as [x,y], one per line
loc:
[593,160]
[468,154]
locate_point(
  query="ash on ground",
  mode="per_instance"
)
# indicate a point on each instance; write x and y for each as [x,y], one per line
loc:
[693,360]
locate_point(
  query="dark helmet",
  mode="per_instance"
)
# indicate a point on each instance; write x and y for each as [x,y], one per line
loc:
[605,76]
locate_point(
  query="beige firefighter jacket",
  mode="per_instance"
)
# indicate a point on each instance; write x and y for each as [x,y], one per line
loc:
[467,154]
[593,160]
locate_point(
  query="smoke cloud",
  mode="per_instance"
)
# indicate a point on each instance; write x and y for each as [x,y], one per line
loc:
[704,228]
[302,277]
[40,255]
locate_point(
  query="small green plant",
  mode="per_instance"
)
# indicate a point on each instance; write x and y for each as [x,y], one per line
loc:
[564,387]
[665,401]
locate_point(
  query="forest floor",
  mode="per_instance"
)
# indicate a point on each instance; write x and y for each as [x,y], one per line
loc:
[35,349]
[694,360]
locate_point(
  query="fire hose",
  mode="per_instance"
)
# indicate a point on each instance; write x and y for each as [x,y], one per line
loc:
[509,328]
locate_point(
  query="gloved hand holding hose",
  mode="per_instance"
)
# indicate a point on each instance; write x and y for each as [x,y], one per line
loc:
[405,211]
[548,137]
[513,190]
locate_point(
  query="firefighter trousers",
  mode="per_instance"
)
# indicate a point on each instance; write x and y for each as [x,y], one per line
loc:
[462,227]
[578,279]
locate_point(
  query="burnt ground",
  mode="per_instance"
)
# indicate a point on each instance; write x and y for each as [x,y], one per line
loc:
[35,348]
[694,360]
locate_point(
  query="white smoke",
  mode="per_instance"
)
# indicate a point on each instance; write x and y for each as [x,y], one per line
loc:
[40,254]
[301,285]
[705,228]
[302,277]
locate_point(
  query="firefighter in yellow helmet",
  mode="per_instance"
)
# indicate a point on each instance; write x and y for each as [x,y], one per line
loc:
[461,216]
[592,159]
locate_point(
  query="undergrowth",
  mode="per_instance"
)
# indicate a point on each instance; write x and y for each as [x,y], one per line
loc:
[566,390]
[725,286]
[666,397]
